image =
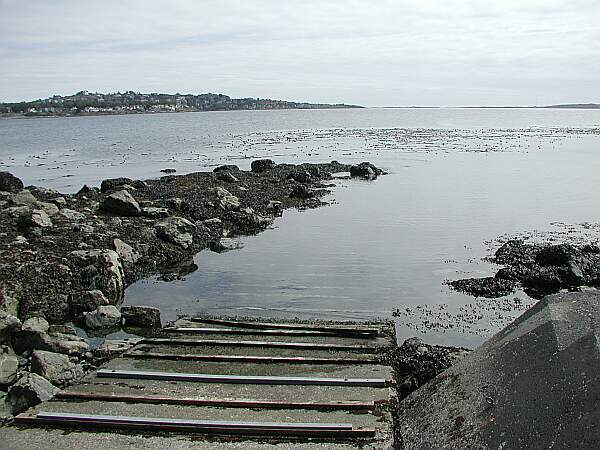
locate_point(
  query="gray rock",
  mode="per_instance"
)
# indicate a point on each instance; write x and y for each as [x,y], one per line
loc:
[102,317]
[141,316]
[114,347]
[213,221]
[126,251]
[229,203]
[225,245]
[62,329]
[56,368]
[23,198]
[227,177]
[104,272]
[30,390]
[176,230]
[9,364]
[71,215]
[37,218]
[59,201]
[50,208]
[121,203]
[10,183]
[113,183]
[261,165]
[9,325]
[63,343]
[154,212]
[35,325]
[532,385]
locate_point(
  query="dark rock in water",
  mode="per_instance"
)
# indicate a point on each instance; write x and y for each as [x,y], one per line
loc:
[533,385]
[30,390]
[54,367]
[261,165]
[226,167]
[489,287]
[10,183]
[141,316]
[168,170]
[113,183]
[225,245]
[365,170]
[121,203]
[301,191]
[227,177]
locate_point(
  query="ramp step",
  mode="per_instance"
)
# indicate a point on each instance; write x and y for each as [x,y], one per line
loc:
[263,344]
[341,430]
[287,326]
[247,359]
[228,403]
[236,379]
[265,332]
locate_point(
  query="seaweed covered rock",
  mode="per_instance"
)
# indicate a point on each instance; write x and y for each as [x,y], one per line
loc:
[10,183]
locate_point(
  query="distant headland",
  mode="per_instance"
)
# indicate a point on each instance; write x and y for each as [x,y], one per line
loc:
[130,102]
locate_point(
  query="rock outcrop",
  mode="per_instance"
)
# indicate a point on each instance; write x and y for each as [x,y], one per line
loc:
[121,203]
[141,316]
[10,183]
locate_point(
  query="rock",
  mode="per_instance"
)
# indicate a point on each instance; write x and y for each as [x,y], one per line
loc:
[227,177]
[20,240]
[225,245]
[71,215]
[59,201]
[229,203]
[226,167]
[50,208]
[365,170]
[168,170]
[114,347]
[63,343]
[62,329]
[88,301]
[276,207]
[9,364]
[261,165]
[23,198]
[85,189]
[541,370]
[10,183]
[301,176]
[9,325]
[102,317]
[114,183]
[155,213]
[30,390]
[222,192]
[126,251]
[176,230]
[213,221]
[141,316]
[37,218]
[35,325]
[301,191]
[103,272]
[54,367]
[122,204]
[489,287]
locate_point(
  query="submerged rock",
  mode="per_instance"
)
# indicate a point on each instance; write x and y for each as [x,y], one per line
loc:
[225,245]
[10,183]
[141,316]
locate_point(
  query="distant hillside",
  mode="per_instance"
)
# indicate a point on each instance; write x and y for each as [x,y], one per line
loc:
[88,103]
[576,106]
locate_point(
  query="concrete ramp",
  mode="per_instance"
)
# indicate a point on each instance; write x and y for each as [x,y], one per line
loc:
[206,381]
[535,385]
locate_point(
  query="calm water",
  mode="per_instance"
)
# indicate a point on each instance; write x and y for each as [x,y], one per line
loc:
[459,179]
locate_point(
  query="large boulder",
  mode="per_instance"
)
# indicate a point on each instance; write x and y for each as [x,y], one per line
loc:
[30,390]
[87,301]
[38,218]
[114,183]
[103,317]
[533,385]
[9,364]
[9,325]
[56,368]
[261,165]
[102,270]
[126,251]
[121,203]
[10,183]
[365,170]
[141,316]
[176,230]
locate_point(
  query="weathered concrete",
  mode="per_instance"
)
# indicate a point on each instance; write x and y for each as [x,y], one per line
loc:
[534,385]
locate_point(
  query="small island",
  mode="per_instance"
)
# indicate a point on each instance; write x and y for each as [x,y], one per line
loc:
[130,102]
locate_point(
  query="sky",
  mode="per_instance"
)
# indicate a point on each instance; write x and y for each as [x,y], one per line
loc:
[370,52]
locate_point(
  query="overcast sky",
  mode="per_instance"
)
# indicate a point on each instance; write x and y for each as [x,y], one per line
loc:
[370,52]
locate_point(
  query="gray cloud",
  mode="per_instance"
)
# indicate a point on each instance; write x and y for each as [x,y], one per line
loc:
[403,52]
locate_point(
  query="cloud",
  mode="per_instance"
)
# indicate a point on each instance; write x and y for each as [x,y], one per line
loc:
[374,53]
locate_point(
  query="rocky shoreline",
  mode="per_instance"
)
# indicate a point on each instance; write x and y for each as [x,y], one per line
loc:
[70,257]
